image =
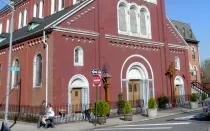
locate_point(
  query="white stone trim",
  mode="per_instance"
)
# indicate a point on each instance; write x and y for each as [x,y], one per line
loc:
[41,9]
[70,13]
[177,32]
[177,63]
[140,56]
[177,46]
[85,91]
[75,31]
[35,10]
[13,72]
[80,57]
[34,70]
[128,39]
[25,17]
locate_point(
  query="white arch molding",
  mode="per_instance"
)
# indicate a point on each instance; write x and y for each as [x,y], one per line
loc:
[79,81]
[138,71]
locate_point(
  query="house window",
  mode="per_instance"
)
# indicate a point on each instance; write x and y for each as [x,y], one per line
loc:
[122,17]
[143,22]
[183,32]
[61,4]
[41,9]
[15,74]
[75,1]
[25,20]
[177,63]
[195,74]
[133,20]
[53,6]
[0,28]
[20,24]
[37,75]
[78,56]
[193,53]
[190,33]
[8,25]
[35,10]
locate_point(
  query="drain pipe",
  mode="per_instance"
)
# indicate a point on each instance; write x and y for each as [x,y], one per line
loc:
[47,50]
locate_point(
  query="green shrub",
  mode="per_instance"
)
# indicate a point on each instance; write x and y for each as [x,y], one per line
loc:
[163,100]
[152,103]
[193,97]
[102,108]
[120,102]
[204,96]
[127,109]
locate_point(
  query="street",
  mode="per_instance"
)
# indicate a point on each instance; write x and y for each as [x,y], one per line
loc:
[194,121]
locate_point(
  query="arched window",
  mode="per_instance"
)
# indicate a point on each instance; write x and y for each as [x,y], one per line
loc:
[20,23]
[0,28]
[35,10]
[61,4]
[133,20]
[177,63]
[122,19]
[143,22]
[190,33]
[8,25]
[78,56]
[25,20]
[15,74]
[193,53]
[53,6]
[195,73]
[37,73]
[183,32]
[41,9]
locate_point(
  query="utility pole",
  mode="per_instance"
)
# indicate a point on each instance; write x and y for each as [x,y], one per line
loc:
[11,4]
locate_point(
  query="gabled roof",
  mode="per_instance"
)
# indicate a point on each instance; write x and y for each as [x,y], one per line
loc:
[180,26]
[24,34]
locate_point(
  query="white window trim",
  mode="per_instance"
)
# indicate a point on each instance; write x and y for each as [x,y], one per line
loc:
[34,71]
[35,10]
[81,57]
[75,2]
[25,17]
[195,69]
[13,74]
[148,20]
[41,9]
[1,28]
[53,6]
[8,25]
[20,20]
[177,63]
[59,5]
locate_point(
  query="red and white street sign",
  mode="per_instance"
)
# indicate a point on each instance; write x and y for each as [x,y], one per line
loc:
[96,80]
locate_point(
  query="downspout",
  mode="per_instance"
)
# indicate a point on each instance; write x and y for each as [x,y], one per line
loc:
[46,75]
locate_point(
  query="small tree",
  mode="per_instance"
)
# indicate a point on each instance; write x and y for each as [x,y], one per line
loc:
[127,109]
[193,97]
[163,100]
[102,108]
[120,103]
[204,96]
[152,103]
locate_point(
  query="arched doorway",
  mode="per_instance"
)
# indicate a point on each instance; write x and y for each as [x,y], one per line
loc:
[78,94]
[179,89]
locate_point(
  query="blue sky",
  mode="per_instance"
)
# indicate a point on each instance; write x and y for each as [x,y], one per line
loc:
[193,12]
[197,14]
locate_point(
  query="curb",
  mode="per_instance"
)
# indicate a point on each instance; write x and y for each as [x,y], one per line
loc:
[147,119]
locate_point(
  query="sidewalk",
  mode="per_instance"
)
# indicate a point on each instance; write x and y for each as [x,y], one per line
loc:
[78,126]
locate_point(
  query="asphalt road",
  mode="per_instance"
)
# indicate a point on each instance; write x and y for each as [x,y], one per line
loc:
[194,121]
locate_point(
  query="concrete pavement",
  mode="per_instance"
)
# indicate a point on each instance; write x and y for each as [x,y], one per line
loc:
[78,126]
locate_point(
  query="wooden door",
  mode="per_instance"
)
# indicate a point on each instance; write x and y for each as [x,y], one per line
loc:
[134,91]
[177,94]
[76,100]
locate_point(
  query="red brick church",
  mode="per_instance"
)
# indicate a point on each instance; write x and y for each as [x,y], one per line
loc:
[57,42]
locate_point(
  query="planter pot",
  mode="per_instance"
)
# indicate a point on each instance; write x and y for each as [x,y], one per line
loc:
[152,112]
[193,105]
[101,120]
[128,117]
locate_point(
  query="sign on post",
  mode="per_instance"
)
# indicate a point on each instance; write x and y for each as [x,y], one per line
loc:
[96,80]
[94,72]
[13,68]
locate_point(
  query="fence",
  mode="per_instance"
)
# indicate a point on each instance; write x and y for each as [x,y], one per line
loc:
[79,112]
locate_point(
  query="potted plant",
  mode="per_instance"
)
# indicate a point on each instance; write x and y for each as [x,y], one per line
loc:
[127,112]
[162,101]
[152,107]
[120,103]
[204,97]
[102,110]
[193,100]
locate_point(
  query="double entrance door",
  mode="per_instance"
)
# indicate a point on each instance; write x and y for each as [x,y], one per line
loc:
[134,92]
[76,100]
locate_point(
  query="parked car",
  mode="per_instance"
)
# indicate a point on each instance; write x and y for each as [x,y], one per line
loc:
[206,107]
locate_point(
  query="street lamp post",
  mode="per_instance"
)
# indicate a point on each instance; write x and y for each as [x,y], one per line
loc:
[11,4]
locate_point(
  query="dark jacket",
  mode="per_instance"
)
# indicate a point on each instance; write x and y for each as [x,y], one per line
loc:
[42,110]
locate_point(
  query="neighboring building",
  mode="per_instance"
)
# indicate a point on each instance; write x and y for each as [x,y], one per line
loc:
[187,33]
[135,42]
